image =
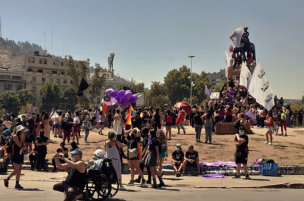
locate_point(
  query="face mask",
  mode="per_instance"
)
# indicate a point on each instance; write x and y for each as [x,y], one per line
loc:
[27,124]
[72,159]
[242,133]
[177,149]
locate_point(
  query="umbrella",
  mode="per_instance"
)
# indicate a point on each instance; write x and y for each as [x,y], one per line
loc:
[185,106]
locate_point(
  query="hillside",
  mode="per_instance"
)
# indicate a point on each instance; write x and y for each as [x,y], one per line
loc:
[10,48]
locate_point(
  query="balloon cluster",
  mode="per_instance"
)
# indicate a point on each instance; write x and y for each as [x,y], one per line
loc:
[122,97]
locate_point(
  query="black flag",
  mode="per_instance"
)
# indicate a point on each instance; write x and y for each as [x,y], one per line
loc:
[83,86]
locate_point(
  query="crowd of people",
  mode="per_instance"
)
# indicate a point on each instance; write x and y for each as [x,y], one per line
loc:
[146,139]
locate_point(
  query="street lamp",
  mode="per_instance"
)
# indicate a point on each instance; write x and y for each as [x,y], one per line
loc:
[191,57]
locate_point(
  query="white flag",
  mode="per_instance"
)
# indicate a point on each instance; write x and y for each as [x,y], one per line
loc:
[259,88]
[227,61]
[236,36]
[245,76]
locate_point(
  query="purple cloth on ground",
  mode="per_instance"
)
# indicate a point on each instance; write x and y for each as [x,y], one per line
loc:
[213,176]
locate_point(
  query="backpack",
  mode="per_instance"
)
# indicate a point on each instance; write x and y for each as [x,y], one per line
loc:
[109,170]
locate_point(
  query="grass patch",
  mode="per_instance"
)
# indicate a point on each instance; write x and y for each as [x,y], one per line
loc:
[257,139]
[300,156]
[292,143]
[299,146]
[284,157]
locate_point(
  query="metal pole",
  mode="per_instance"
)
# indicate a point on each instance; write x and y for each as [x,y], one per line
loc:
[191,84]
[191,57]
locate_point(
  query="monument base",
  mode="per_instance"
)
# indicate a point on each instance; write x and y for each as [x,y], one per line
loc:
[222,128]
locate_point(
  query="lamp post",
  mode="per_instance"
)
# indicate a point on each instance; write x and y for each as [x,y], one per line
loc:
[191,57]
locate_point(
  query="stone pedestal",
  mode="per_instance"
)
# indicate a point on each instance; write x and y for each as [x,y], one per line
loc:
[232,73]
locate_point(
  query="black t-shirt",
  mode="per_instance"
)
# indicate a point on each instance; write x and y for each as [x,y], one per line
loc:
[192,156]
[178,156]
[132,142]
[41,139]
[66,125]
[144,143]
[243,146]
[198,120]
[153,144]
[137,122]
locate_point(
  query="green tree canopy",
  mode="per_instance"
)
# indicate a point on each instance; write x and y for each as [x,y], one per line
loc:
[25,96]
[49,94]
[98,81]
[157,95]
[10,101]
[138,88]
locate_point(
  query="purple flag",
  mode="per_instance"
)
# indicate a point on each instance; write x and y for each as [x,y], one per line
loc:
[207,91]
[32,111]
[251,116]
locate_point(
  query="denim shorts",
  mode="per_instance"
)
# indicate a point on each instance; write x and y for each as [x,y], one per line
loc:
[56,126]
[270,129]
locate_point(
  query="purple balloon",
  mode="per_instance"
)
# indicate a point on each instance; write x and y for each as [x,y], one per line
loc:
[133,99]
[126,105]
[128,94]
[121,94]
[114,93]
[108,92]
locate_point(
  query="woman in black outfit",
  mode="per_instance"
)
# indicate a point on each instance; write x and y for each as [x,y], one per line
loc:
[18,149]
[156,116]
[41,144]
[151,158]
[132,141]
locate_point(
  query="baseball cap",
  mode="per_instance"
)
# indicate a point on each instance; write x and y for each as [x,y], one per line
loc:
[99,153]
[7,131]
[76,152]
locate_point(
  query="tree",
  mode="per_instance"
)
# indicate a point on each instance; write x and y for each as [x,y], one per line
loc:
[10,101]
[69,95]
[219,87]
[84,69]
[138,88]
[25,96]
[157,95]
[98,81]
[49,94]
[25,109]
[177,84]
[71,70]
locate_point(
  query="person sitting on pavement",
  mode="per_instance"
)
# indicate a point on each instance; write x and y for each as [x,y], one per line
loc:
[191,159]
[75,182]
[178,159]
[60,150]
[99,156]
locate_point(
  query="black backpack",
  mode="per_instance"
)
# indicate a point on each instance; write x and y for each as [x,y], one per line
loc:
[109,170]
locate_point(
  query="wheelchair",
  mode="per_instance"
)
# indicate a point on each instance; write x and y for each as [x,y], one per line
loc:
[101,184]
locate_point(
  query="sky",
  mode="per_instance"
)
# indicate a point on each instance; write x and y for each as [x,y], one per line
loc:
[150,38]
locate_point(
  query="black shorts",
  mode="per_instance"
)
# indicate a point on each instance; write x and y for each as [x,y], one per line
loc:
[18,159]
[30,139]
[241,157]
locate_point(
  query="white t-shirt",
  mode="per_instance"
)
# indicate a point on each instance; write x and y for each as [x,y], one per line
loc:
[76,119]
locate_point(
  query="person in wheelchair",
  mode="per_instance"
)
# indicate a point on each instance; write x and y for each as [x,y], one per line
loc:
[74,184]
[99,155]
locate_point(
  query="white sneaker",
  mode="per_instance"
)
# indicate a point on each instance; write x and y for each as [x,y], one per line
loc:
[122,188]
[270,143]
[265,142]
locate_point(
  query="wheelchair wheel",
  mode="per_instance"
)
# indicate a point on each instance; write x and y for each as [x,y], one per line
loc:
[114,189]
[98,188]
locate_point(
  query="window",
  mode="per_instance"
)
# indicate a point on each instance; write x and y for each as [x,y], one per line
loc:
[40,71]
[58,81]
[42,61]
[43,79]
[7,87]
[62,63]
[51,79]
[33,88]
[65,81]
[31,60]
[222,75]
[71,81]
[56,63]
[30,70]
[33,79]
[16,77]
[19,87]
[54,72]
[62,73]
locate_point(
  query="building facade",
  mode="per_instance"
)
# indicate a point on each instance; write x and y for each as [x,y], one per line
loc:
[217,77]
[11,80]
